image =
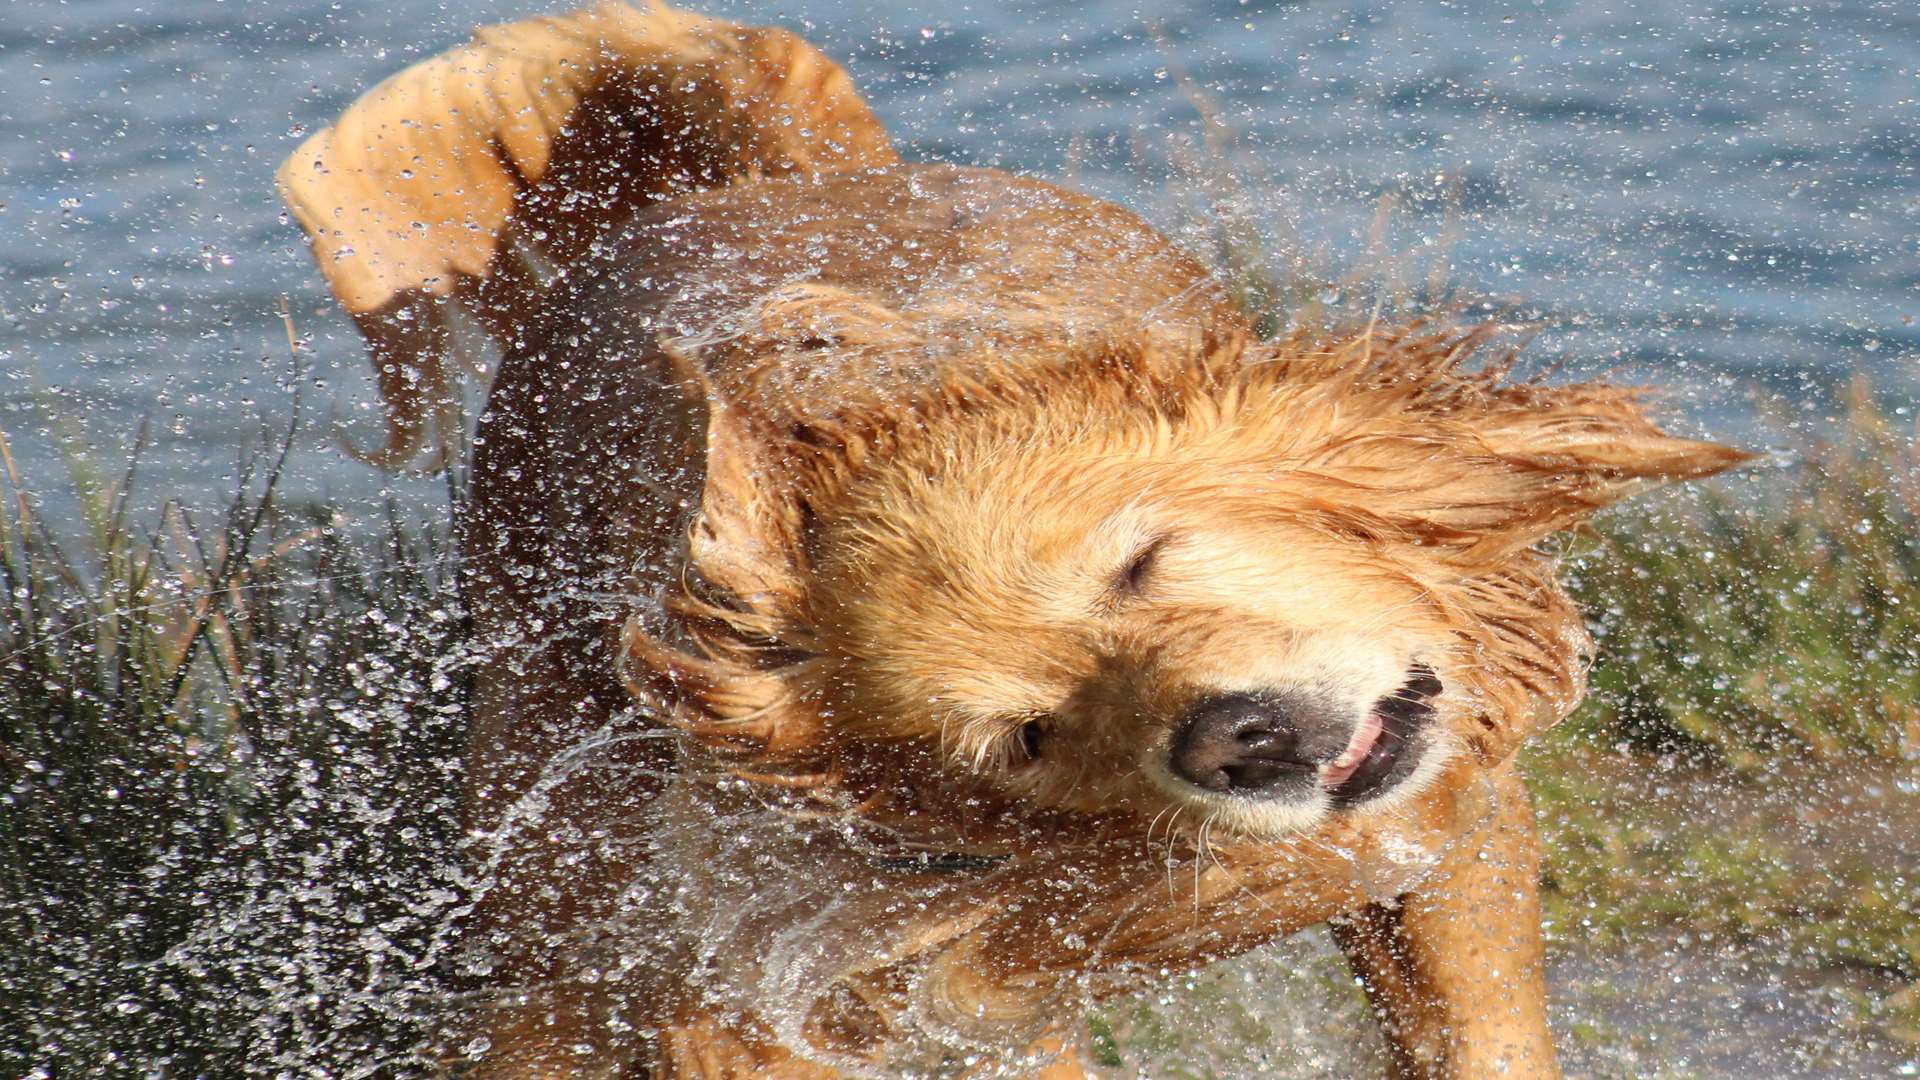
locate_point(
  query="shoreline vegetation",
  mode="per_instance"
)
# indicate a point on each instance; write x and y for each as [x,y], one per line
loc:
[229,760]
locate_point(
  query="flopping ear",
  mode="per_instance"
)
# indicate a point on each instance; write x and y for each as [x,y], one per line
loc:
[772,444]
[773,447]
[706,670]
[1402,426]
[746,537]
[1539,459]
[1536,460]
[451,185]
[1553,456]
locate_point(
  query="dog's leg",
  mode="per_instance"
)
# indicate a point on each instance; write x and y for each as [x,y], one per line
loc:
[1456,969]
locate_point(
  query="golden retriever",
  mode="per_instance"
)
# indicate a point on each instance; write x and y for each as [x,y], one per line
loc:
[916,604]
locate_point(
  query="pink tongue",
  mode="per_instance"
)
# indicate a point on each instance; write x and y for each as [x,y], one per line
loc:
[1342,767]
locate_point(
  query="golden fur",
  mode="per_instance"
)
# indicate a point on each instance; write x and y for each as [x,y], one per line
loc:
[855,540]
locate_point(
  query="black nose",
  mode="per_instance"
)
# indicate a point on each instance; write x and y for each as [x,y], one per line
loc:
[1254,744]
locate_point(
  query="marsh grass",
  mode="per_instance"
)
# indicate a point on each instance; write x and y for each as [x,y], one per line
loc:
[228,784]
[1780,621]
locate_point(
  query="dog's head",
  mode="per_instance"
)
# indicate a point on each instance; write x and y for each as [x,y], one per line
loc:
[1262,583]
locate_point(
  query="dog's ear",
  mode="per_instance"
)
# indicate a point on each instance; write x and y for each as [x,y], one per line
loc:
[1532,460]
[771,439]
[703,670]
[745,535]
[1403,423]
[1536,459]
[1403,427]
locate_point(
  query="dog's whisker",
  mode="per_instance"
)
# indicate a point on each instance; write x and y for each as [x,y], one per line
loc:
[1167,858]
[1200,858]
[1074,785]
[1154,824]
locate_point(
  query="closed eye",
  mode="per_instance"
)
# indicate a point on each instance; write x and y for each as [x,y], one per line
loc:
[1026,735]
[1132,579]
[1031,734]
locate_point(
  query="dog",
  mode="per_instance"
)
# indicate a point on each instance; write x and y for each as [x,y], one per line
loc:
[915,604]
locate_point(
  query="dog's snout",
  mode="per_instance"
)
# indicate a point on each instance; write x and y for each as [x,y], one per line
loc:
[1251,744]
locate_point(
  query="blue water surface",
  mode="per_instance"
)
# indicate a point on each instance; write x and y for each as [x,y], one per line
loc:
[1721,198]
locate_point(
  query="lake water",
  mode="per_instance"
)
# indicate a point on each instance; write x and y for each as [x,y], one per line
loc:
[1721,197]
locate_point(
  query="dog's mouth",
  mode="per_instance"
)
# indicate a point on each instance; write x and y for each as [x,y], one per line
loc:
[1384,748]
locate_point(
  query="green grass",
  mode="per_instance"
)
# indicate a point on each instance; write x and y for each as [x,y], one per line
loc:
[1642,849]
[227,787]
[1786,621]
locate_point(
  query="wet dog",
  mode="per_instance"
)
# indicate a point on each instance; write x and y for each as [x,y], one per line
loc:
[916,603]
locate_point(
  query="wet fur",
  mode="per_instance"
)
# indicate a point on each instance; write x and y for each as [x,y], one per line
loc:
[799,498]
